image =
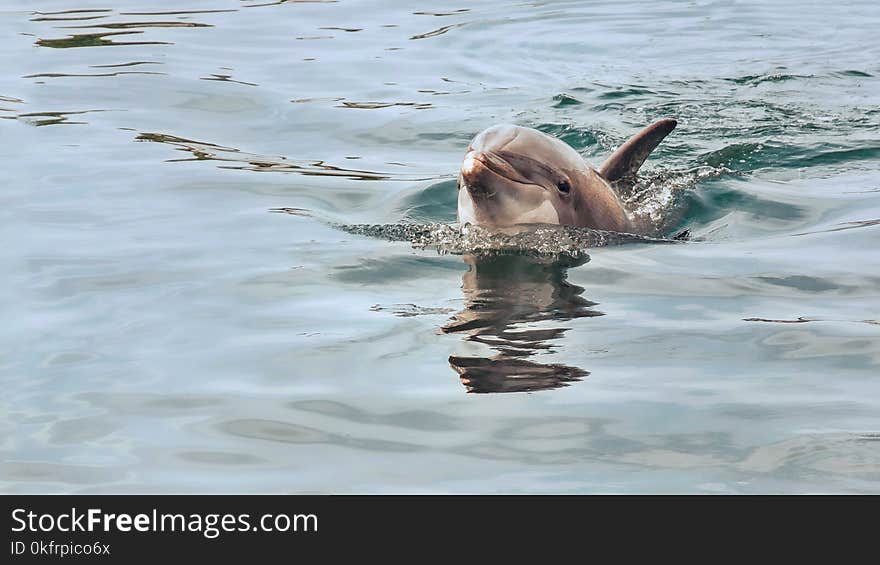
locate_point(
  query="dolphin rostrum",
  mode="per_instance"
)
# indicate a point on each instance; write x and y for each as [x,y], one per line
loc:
[515,175]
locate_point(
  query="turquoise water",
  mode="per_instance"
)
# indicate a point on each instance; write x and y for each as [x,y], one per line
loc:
[166,332]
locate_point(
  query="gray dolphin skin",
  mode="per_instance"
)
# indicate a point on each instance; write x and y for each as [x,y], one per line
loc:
[514,175]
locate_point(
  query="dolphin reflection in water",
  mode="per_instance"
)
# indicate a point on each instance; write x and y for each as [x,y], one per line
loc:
[502,293]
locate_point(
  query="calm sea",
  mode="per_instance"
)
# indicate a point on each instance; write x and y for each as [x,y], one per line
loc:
[165,332]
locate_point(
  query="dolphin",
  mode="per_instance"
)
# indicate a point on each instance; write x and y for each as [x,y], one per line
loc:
[514,175]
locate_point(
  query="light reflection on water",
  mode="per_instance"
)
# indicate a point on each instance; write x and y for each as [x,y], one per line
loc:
[166,333]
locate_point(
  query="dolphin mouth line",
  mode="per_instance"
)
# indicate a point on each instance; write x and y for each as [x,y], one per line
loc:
[497,165]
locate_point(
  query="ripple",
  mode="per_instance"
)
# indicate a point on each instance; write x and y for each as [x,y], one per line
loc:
[845,226]
[436,32]
[227,78]
[564,100]
[54,118]
[70,19]
[436,203]
[89,11]
[74,75]
[70,15]
[204,151]
[279,2]
[224,458]
[803,344]
[820,453]
[423,420]
[345,29]
[755,80]
[307,100]
[853,73]
[799,320]
[285,432]
[802,282]
[81,430]
[152,404]
[42,472]
[178,12]
[378,105]
[391,269]
[94,40]
[442,14]
[128,25]
[409,310]
[579,137]
[751,156]
[804,319]
[130,64]
[626,92]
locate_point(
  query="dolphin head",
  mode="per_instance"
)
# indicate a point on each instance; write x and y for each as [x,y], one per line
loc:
[515,175]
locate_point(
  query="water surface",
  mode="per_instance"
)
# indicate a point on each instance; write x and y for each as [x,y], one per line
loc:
[166,332]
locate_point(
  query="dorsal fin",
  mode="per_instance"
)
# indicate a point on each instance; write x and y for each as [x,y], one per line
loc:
[625,162]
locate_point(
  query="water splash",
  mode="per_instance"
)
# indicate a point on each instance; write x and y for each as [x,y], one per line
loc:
[654,200]
[558,242]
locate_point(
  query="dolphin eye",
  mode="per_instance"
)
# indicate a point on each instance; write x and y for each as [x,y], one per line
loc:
[563,186]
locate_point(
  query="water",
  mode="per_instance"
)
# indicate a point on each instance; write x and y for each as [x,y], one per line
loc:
[166,332]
